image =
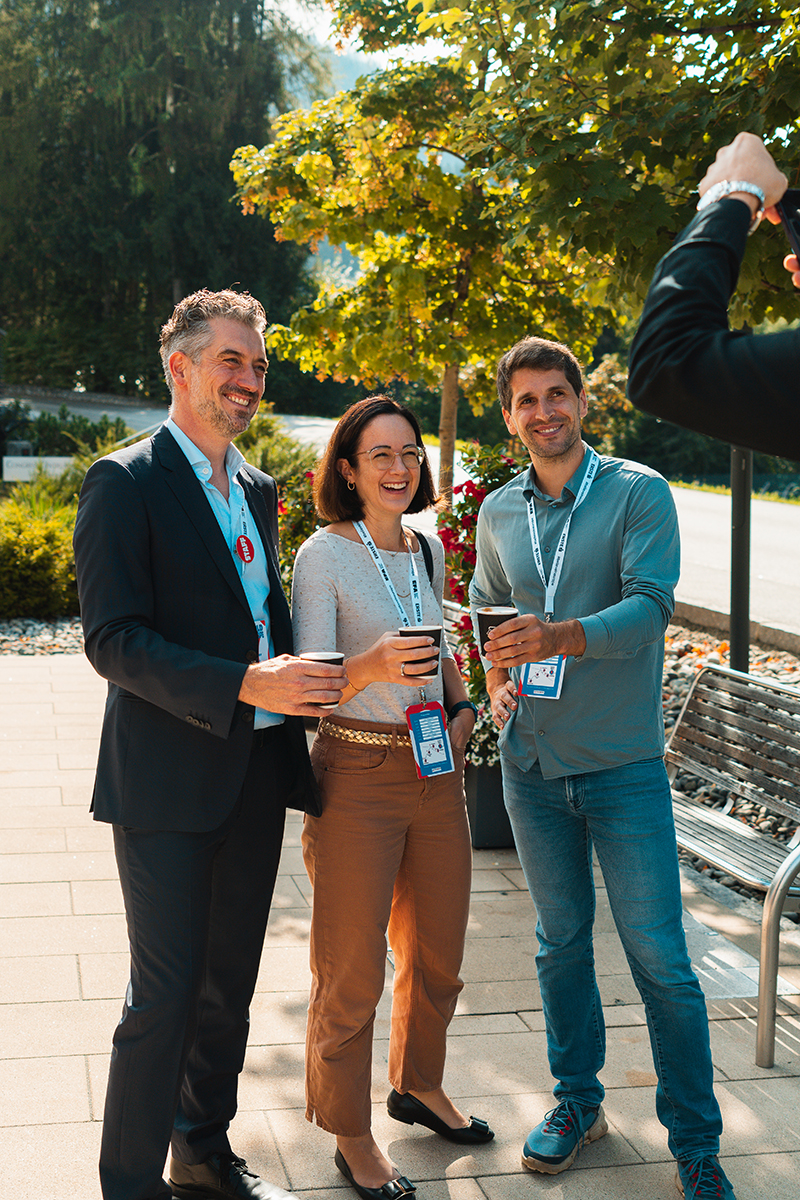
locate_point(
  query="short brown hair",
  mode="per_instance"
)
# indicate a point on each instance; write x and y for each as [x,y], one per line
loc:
[188,330]
[334,500]
[536,354]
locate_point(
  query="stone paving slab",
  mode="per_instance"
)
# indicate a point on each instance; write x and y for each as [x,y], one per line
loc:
[63,970]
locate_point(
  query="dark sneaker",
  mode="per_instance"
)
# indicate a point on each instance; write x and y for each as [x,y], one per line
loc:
[551,1147]
[703,1179]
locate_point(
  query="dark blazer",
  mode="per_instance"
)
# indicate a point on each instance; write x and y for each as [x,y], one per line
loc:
[689,367]
[166,622]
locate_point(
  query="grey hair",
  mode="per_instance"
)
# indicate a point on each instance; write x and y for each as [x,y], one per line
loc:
[188,328]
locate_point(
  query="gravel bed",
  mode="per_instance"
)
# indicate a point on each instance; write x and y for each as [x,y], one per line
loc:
[63,636]
[686,652]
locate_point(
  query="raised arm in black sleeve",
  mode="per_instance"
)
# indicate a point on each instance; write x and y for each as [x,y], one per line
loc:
[689,367]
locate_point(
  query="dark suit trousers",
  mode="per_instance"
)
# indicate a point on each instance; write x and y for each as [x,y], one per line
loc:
[197,907]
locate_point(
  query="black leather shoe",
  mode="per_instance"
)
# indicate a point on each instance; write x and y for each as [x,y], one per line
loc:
[392,1190]
[221,1177]
[410,1111]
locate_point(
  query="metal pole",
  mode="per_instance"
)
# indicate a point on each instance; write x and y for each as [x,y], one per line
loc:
[741,488]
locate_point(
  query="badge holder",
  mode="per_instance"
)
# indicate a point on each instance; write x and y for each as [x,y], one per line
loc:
[543,679]
[430,740]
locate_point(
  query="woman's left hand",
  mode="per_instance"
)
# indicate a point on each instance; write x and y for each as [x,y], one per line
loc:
[461,728]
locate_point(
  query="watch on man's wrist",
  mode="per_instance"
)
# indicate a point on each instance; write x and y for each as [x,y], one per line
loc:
[725,187]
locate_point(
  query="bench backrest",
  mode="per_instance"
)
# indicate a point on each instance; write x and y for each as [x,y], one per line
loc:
[452,613]
[742,733]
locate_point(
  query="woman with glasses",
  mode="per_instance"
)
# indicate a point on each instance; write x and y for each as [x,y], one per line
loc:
[391,851]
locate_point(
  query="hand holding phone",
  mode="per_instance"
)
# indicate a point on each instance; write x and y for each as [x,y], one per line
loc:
[789,212]
[788,209]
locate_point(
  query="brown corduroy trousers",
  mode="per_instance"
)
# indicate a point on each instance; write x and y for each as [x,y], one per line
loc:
[390,853]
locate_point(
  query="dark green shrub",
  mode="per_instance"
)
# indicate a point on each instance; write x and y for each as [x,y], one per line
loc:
[37,570]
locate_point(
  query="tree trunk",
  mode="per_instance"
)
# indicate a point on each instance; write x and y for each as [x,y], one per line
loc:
[448,420]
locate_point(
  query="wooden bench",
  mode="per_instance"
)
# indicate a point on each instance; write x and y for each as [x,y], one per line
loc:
[452,614]
[742,734]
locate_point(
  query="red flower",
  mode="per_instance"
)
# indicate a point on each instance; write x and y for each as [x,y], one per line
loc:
[458,591]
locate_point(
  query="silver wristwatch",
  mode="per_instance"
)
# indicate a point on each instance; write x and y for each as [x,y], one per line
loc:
[725,187]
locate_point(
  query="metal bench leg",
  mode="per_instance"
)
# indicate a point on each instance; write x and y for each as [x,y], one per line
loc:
[768,969]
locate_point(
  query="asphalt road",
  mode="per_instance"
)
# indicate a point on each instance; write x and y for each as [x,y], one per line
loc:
[704,517]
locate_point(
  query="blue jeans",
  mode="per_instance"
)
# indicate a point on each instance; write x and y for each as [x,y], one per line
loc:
[626,813]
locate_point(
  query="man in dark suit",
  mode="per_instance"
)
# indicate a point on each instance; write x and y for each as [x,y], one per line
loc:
[202,748]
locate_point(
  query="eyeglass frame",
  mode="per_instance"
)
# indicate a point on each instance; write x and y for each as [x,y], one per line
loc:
[419,454]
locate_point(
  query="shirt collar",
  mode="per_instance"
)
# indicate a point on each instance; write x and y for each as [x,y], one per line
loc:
[570,488]
[197,460]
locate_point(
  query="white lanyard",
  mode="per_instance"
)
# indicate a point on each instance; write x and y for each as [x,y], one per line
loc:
[413,576]
[551,585]
[245,551]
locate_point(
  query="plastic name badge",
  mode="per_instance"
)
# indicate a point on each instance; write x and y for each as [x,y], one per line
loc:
[543,679]
[430,740]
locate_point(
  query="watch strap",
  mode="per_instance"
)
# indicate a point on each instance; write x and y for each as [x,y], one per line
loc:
[725,187]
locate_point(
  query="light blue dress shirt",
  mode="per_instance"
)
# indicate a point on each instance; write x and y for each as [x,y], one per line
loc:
[234,518]
[621,567]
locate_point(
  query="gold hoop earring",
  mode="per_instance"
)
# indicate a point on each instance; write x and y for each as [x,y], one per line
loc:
[351,487]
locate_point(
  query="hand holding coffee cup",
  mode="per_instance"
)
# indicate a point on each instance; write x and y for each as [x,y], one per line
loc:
[490,617]
[331,658]
[422,668]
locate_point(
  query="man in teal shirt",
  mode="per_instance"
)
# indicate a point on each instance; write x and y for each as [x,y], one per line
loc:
[586,548]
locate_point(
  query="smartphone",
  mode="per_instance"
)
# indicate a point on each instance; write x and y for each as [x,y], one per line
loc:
[789,212]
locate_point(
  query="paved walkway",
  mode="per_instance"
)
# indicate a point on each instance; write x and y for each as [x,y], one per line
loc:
[63,973]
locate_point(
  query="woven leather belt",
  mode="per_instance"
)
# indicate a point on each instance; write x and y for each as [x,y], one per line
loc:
[363,736]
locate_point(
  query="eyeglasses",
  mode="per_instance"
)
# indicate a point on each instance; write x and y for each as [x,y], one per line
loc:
[410,456]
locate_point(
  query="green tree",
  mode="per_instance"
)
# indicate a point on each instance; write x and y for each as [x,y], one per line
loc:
[117,122]
[603,115]
[439,292]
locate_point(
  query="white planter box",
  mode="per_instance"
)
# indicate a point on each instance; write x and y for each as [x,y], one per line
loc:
[22,468]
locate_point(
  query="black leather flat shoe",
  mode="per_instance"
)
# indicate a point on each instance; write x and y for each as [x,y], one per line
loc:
[410,1111]
[392,1190]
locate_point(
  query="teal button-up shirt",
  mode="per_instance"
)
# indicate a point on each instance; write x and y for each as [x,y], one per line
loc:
[621,567]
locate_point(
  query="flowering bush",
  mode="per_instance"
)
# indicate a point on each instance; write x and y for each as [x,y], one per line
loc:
[491,466]
[297,520]
[482,748]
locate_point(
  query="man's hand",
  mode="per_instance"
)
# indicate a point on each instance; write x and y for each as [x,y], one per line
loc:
[747,159]
[502,696]
[792,264]
[526,639]
[293,686]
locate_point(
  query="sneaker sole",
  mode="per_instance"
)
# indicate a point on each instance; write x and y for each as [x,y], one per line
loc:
[593,1134]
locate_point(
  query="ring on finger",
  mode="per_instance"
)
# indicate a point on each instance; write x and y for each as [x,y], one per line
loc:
[403,669]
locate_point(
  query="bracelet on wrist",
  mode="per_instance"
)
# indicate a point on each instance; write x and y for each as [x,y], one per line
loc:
[457,708]
[349,680]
